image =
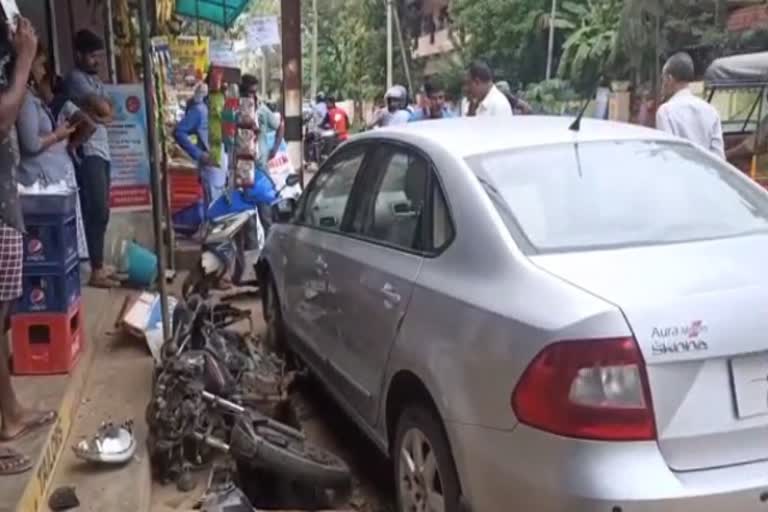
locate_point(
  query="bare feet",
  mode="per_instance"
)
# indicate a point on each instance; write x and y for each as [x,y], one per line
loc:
[102,279]
[26,422]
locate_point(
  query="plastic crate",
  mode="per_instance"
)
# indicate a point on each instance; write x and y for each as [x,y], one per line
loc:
[47,343]
[50,291]
[188,220]
[56,205]
[50,243]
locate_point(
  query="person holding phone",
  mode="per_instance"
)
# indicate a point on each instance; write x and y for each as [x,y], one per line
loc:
[17,53]
[44,141]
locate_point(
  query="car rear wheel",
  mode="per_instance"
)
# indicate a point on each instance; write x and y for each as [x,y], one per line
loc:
[425,474]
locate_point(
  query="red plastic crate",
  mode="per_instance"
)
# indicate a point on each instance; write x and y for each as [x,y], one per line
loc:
[47,343]
[185,189]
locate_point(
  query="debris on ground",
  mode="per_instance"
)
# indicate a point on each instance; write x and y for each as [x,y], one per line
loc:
[112,444]
[63,498]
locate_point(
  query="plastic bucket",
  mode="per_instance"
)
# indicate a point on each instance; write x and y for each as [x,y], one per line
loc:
[140,264]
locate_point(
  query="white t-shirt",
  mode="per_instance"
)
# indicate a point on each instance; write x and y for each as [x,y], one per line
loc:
[690,117]
[494,104]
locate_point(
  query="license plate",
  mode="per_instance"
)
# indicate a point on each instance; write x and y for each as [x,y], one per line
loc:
[750,384]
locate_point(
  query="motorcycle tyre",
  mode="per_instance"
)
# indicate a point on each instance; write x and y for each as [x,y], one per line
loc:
[295,462]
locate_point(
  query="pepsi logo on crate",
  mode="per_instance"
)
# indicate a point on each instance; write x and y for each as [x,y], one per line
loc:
[50,291]
[50,243]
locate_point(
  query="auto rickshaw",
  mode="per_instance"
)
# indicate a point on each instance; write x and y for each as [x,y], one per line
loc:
[737,87]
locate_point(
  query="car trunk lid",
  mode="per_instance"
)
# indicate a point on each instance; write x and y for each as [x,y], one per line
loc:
[699,312]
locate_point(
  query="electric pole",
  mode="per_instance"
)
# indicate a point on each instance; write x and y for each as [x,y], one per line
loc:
[314,49]
[291,34]
[551,48]
[389,44]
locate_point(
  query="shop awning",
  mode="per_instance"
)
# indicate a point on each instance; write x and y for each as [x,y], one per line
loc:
[220,12]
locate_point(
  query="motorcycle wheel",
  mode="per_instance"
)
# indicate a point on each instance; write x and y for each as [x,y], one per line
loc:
[288,456]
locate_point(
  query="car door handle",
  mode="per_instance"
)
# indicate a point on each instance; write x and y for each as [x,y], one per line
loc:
[389,293]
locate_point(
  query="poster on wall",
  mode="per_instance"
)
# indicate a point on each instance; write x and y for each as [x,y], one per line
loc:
[190,59]
[263,31]
[129,149]
[222,53]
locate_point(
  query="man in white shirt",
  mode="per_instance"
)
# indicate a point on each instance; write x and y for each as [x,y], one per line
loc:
[684,114]
[489,99]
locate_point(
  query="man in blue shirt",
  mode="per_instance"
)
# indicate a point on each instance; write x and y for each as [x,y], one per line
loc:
[195,122]
[436,107]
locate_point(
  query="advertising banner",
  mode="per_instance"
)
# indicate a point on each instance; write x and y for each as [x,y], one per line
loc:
[190,58]
[128,146]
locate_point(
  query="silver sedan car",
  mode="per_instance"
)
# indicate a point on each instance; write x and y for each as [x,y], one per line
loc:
[530,318]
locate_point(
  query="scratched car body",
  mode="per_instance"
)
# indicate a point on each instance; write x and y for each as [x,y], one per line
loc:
[531,318]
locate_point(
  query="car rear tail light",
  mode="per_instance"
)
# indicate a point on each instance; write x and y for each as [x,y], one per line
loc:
[591,389]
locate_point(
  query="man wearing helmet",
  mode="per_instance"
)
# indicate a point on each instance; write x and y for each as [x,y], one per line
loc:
[396,112]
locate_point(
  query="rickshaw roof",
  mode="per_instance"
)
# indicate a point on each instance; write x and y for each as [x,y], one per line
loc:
[738,71]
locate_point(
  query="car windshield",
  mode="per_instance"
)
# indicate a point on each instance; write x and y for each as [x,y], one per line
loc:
[615,194]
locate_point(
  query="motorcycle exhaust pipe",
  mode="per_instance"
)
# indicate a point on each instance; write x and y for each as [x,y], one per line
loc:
[213,442]
[224,403]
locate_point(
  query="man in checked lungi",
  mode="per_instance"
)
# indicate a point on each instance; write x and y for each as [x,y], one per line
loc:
[18,46]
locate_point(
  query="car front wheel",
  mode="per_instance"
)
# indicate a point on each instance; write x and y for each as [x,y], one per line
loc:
[425,473]
[274,338]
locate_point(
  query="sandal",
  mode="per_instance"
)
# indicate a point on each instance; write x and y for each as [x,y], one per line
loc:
[41,421]
[13,463]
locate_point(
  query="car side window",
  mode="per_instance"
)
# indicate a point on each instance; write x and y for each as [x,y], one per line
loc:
[328,197]
[394,214]
[442,227]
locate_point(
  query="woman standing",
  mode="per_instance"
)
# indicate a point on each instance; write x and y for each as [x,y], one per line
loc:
[44,142]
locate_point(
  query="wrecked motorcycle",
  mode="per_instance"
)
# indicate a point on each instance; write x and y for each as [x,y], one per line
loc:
[207,395]
[187,419]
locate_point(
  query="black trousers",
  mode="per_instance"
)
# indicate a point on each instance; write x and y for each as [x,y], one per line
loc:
[93,179]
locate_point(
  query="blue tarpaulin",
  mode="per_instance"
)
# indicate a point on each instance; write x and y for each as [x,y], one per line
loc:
[220,12]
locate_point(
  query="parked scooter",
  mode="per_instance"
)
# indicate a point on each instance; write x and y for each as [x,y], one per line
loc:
[232,243]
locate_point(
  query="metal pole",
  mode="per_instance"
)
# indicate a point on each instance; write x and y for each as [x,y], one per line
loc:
[389,44]
[291,35]
[264,73]
[157,192]
[403,51]
[551,48]
[315,29]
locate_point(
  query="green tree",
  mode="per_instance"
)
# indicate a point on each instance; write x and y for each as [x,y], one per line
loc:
[652,29]
[510,35]
[590,50]
[351,48]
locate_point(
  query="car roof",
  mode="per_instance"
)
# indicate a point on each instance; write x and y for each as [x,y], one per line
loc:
[469,136]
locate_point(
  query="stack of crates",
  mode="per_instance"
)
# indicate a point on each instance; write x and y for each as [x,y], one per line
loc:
[47,324]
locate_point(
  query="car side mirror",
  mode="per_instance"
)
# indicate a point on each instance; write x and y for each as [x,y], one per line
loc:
[292,180]
[283,210]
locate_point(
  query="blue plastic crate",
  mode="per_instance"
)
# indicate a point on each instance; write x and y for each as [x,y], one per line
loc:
[56,205]
[50,243]
[50,292]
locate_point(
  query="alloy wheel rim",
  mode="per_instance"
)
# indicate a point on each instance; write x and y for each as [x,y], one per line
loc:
[420,485]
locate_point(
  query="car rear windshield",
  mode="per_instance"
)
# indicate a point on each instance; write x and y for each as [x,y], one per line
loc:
[615,194]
